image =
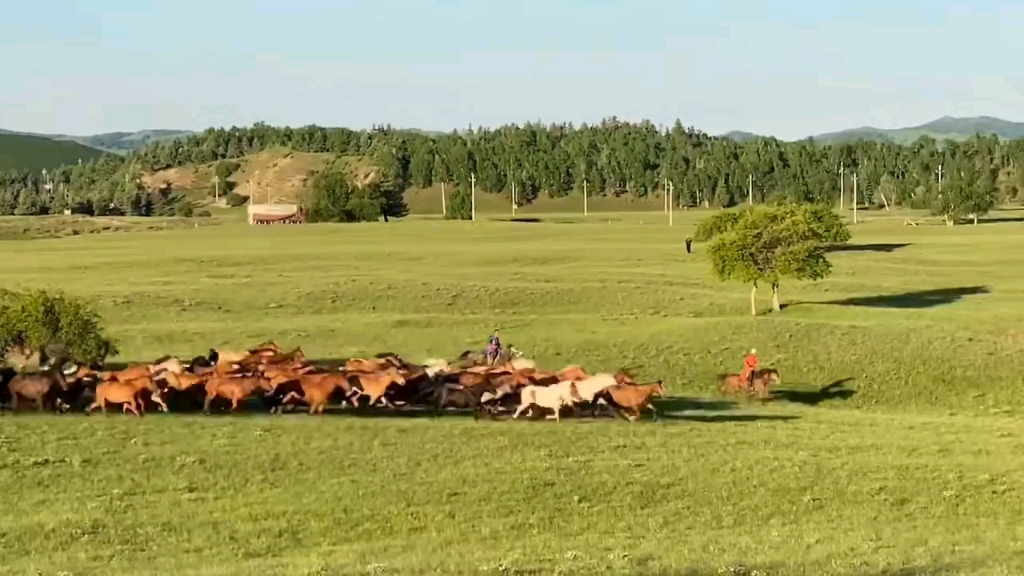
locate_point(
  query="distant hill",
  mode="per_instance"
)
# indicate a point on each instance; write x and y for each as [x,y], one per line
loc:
[24,152]
[124,141]
[945,128]
[741,136]
[119,142]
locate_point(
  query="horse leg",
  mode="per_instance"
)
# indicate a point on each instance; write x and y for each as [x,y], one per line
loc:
[131,407]
[206,403]
[519,410]
[654,413]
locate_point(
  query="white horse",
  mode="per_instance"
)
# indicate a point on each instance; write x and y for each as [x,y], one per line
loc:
[550,397]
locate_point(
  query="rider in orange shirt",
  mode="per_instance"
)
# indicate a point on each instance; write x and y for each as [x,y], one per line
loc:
[749,366]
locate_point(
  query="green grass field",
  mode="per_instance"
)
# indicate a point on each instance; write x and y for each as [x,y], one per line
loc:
[895,446]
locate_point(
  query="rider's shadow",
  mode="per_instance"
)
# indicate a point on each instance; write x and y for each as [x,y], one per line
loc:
[834,391]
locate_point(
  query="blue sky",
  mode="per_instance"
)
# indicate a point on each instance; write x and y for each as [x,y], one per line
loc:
[786,68]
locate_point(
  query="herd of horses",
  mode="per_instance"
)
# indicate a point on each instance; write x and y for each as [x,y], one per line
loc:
[280,380]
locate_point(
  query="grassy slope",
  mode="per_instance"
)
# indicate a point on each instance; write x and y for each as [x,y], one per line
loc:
[36,152]
[280,173]
[919,468]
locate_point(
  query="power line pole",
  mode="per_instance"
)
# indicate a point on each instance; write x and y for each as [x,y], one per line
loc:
[842,187]
[671,188]
[854,197]
[513,199]
[750,189]
[444,208]
[584,196]
[940,177]
[472,194]
[216,188]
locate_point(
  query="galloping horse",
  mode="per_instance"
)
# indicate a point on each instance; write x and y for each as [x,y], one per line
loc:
[761,383]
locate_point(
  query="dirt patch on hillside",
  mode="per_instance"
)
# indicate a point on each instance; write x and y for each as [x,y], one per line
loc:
[278,175]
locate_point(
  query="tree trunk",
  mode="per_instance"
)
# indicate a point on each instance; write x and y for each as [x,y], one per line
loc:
[775,297]
[975,219]
[753,300]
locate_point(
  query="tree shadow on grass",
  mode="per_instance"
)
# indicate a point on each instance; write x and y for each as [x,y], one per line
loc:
[883,247]
[999,219]
[912,300]
[834,391]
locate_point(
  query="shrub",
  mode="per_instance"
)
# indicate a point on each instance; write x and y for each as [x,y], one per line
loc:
[184,209]
[42,321]
[335,198]
[235,199]
[460,205]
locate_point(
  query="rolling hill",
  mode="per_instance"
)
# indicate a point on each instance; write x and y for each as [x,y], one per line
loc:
[945,128]
[24,152]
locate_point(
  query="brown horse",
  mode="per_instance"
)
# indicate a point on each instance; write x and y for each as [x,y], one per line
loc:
[761,385]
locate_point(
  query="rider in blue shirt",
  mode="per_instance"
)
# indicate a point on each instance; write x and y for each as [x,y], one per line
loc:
[493,347]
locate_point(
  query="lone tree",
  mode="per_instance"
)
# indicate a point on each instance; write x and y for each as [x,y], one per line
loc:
[969,192]
[59,326]
[767,243]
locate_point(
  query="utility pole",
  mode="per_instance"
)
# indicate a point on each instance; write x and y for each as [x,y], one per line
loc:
[854,197]
[216,188]
[584,196]
[472,195]
[671,188]
[940,177]
[444,208]
[842,187]
[750,189]
[513,199]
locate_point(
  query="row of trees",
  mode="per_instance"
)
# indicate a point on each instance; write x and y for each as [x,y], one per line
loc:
[110,185]
[611,157]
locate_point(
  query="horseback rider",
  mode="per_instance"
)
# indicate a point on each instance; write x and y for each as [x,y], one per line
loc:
[749,368]
[493,348]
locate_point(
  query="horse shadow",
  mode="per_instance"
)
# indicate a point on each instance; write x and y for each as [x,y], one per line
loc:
[709,411]
[729,418]
[683,404]
[834,391]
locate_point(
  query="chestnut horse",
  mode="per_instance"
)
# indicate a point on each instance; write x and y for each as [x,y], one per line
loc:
[762,382]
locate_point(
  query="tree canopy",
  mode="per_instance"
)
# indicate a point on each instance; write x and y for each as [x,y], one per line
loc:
[40,320]
[613,157]
[767,243]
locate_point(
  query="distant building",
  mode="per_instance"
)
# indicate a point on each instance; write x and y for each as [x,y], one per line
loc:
[276,214]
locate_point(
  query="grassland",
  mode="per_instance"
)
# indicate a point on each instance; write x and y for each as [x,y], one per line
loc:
[894,448]
[33,153]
